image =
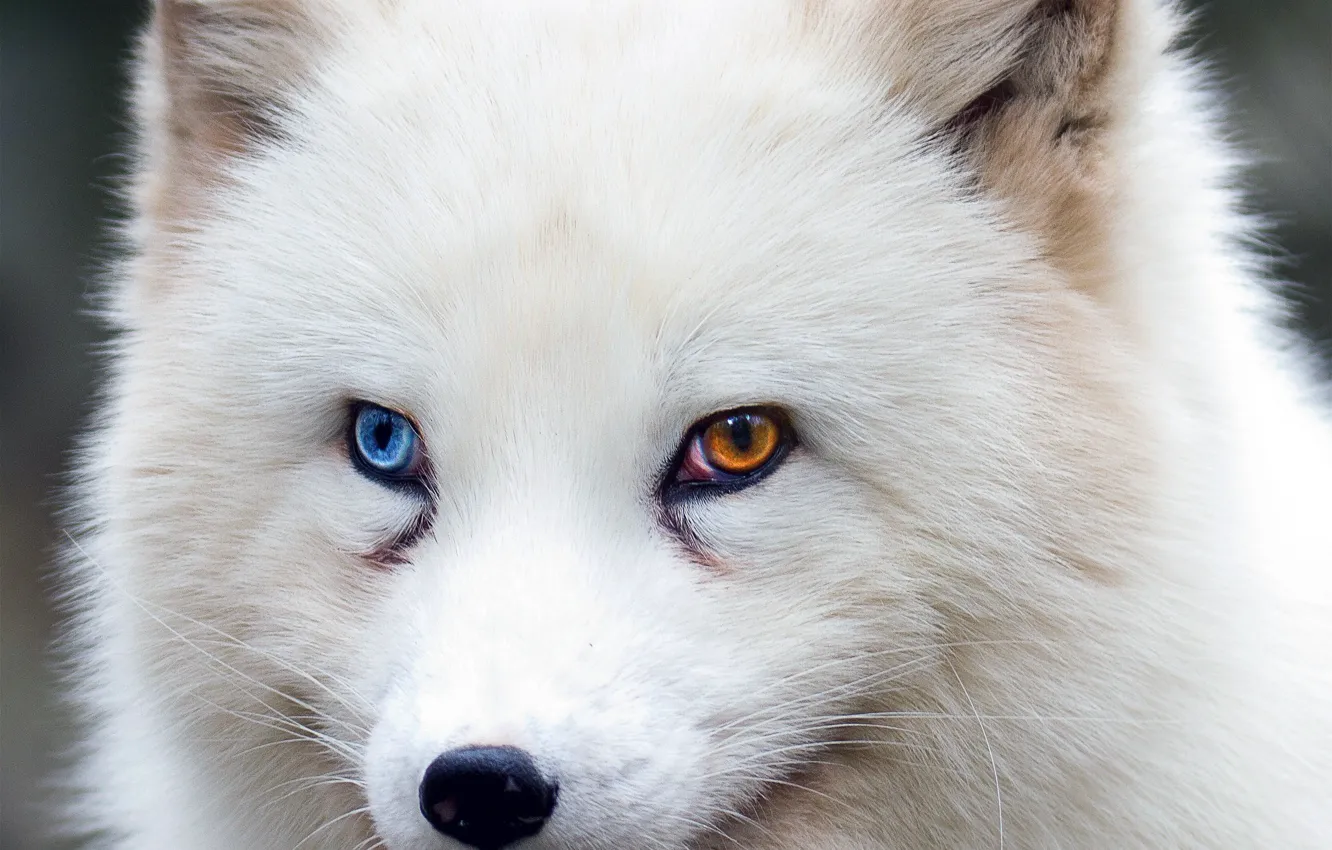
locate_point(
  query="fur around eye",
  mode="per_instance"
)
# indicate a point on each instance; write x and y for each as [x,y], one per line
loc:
[734,448]
[384,444]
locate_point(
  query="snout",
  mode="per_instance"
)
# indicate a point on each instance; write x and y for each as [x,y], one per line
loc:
[537,713]
[486,797]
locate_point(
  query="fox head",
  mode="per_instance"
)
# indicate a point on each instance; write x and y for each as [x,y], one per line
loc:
[640,426]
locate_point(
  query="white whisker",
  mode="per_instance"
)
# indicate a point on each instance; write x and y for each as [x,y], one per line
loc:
[994,765]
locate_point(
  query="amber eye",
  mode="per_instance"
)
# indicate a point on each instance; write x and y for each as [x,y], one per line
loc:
[732,447]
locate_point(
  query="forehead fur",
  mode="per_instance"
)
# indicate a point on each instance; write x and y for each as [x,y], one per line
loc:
[719,135]
[711,146]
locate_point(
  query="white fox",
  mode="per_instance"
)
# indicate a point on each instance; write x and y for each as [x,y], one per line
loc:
[769,424]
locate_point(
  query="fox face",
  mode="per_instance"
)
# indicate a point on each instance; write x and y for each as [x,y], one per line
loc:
[676,524]
[683,428]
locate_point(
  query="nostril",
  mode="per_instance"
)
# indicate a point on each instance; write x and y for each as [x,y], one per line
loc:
[486,797]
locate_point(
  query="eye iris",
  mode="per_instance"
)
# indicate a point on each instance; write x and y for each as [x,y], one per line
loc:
[384,439]
[740,444]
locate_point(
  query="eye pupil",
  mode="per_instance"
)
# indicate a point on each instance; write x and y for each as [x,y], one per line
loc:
[383,434]
[742,434]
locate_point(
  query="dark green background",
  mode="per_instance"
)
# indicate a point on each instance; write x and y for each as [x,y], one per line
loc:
[60,130]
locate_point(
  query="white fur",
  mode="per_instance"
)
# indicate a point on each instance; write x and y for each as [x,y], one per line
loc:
[1049,567]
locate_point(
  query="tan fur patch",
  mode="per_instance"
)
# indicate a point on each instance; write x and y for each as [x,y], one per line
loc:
[1043,147]
[214,77]
[1026,87]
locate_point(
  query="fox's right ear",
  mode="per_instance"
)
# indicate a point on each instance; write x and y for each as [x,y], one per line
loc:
[215,77]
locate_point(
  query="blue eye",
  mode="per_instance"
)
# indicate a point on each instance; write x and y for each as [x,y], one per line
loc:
[384,443]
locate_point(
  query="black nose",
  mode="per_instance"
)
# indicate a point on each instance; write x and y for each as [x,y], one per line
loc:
[486,797]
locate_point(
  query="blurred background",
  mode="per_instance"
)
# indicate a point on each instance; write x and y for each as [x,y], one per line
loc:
[62,68]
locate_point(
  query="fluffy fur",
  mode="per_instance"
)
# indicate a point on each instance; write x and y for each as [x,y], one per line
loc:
[1048,568]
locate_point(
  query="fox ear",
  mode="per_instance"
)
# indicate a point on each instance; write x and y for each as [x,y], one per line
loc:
[1026,91]
[215,75]
[966,61]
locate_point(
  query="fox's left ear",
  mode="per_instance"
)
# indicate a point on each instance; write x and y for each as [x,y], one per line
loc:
[1029,92]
